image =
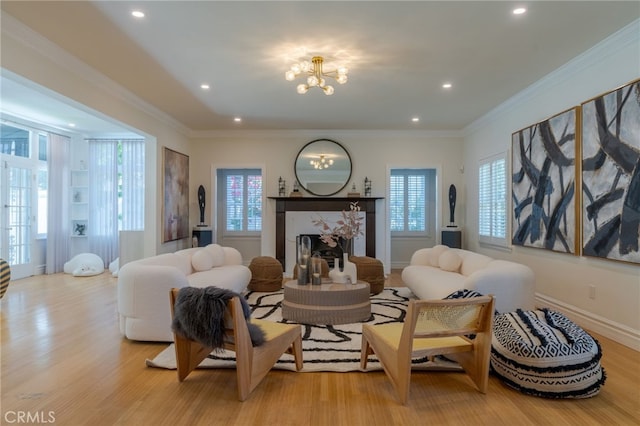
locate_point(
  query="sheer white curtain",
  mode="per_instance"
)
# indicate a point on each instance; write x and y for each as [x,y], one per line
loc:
[102,229]
[132,212]
[58,222]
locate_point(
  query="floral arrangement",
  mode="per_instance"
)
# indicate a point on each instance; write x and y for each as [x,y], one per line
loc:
[345,229]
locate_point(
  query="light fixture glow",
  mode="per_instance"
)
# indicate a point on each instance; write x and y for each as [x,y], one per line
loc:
[205,86]
[447,86]
[137,14]
[316,75]
[72,124]
[322,163]
[415,119]
[519,11]
[237,119]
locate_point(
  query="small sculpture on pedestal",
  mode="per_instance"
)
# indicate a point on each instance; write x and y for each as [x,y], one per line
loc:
[452,206]
[201,204]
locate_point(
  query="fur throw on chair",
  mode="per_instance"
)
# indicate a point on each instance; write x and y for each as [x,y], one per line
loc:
[199,315]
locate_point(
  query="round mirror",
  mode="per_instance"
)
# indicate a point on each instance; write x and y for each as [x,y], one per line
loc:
[323,167]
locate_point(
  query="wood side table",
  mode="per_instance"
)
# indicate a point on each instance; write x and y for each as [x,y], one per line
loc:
[329,303]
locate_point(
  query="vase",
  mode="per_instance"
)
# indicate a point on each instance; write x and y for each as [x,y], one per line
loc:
[349,269]
[336,275]
[304,260]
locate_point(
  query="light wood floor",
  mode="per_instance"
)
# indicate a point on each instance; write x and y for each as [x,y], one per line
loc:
[64,362]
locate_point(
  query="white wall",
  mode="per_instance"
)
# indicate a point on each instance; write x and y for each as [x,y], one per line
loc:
[372,154]
[563,281]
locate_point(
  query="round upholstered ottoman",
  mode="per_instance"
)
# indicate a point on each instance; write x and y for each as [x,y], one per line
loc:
[543,353]
[370,270]
[266,274]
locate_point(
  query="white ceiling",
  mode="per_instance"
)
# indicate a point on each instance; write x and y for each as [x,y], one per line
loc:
[399,55]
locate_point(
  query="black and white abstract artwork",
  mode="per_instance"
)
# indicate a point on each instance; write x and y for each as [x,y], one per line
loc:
[544,184]
[611,174]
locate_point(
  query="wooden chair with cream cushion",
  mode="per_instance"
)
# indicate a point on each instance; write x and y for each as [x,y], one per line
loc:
[252,362]
[433,327]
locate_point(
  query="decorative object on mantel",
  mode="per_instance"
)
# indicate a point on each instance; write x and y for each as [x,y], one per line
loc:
[296,191]
[316,75]
[281,187]
[354,192]
[367,187]
[342,234]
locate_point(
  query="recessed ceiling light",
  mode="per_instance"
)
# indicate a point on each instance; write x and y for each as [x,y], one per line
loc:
[137,14]
[237,119]
[72,124]
[447,86]
[205,87]
[519,11]
[415,119]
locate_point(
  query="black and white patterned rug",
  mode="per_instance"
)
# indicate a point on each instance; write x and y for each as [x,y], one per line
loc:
[325,347]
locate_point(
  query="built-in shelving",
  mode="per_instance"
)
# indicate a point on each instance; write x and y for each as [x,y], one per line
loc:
[79,211]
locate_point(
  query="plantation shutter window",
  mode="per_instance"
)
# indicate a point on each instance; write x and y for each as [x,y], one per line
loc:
[243,200]
[492,201]
[409,192]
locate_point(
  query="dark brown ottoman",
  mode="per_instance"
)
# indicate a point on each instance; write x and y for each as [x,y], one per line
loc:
[266,274]
[370,270]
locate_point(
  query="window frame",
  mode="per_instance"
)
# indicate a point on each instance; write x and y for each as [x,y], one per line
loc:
[246,173]
[493,239]
[430,188]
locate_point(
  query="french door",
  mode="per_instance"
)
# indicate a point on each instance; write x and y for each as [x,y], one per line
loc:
[17,217]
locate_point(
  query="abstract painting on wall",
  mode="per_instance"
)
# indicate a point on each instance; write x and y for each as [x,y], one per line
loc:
[175,212]
[544,184]
[611,174]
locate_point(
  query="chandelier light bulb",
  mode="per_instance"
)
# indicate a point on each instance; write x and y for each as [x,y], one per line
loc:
[316,75]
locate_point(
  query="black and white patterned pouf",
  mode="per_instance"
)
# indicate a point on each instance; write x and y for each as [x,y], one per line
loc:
[543,353]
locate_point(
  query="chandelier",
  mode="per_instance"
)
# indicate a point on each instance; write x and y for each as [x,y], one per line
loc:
[316,75]
[322,163]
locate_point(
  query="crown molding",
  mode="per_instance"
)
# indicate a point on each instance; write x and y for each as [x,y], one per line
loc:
[598,53]
[34,40]
[331,133]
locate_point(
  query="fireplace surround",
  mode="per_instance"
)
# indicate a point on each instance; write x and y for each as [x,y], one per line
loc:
[323,204]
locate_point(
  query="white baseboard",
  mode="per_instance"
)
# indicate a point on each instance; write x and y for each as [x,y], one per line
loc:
[620,333]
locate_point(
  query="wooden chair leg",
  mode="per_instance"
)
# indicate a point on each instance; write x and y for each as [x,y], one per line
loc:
[189,355]
[365,351]
[296,348]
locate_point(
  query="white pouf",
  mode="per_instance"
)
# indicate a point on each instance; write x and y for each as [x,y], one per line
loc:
[543,353]
[84,265]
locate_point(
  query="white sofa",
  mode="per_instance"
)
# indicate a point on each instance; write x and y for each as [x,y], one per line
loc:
[143,286]
[436,272]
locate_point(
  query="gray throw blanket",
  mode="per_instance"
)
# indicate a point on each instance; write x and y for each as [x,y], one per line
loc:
[199,315]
